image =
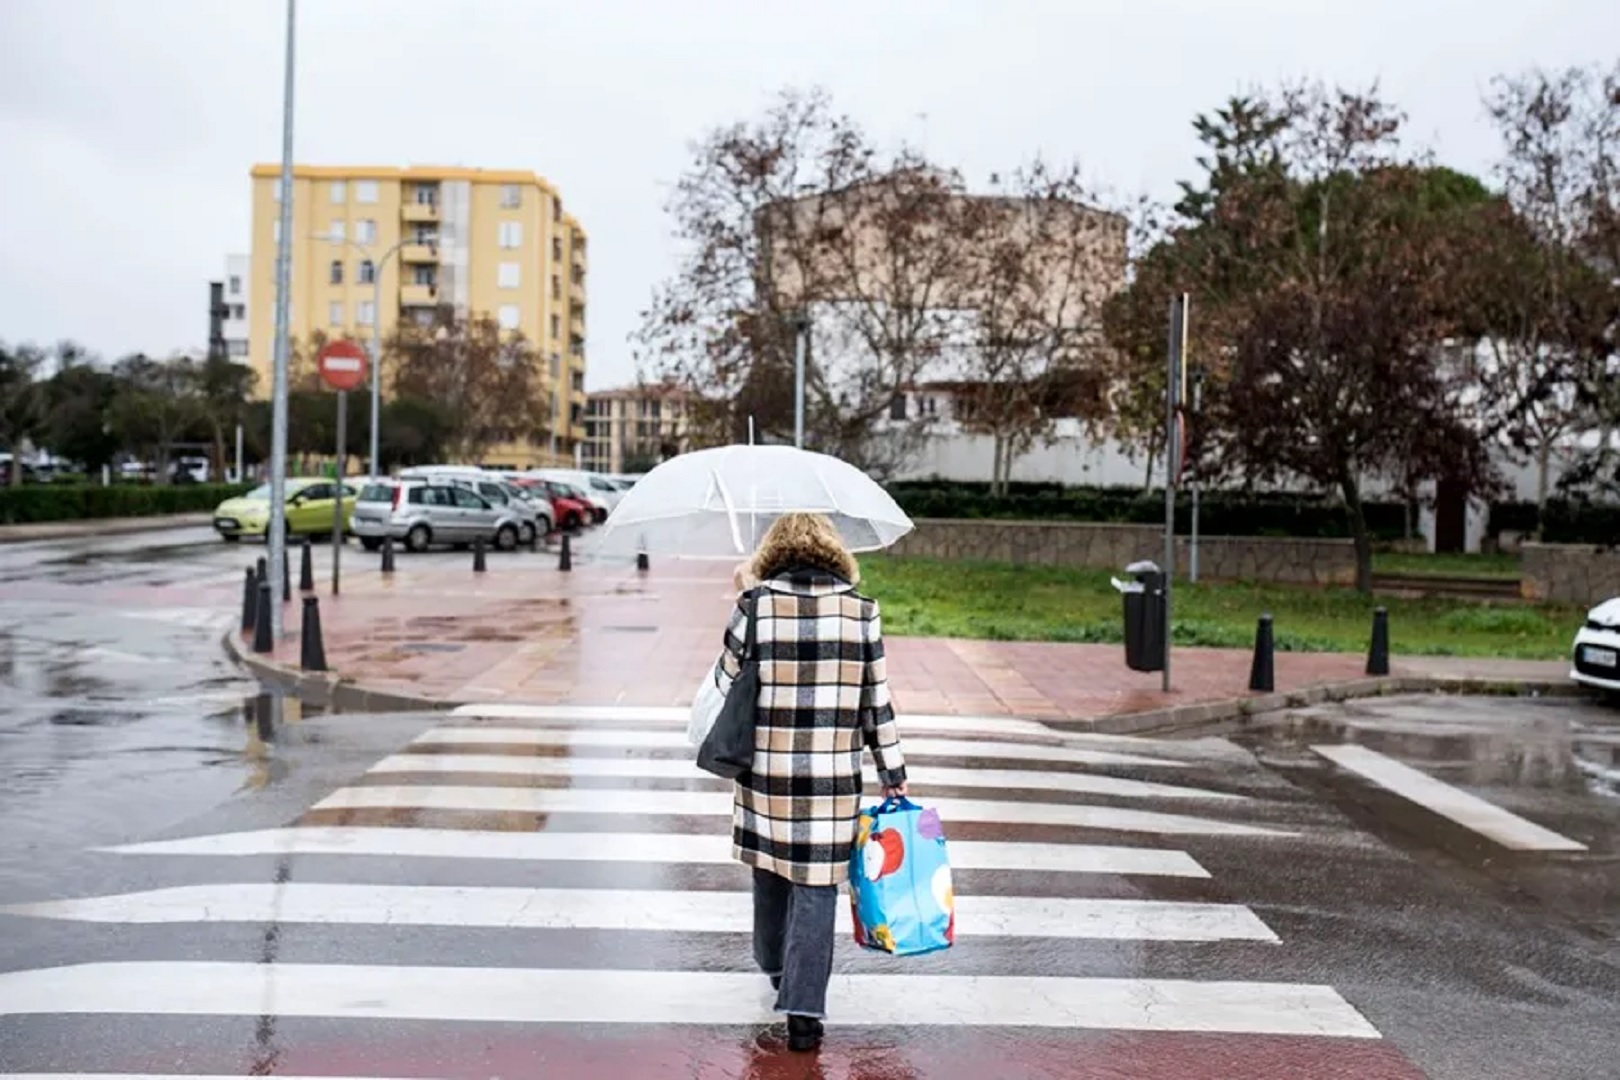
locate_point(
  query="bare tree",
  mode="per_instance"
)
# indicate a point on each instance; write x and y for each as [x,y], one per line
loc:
[22,401]
[796,216]
[488,381]
[1037,268]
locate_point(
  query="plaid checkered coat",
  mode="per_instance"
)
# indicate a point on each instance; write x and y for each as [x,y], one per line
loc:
[823,698]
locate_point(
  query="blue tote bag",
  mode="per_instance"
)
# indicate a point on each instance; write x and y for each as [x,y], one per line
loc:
[900,880]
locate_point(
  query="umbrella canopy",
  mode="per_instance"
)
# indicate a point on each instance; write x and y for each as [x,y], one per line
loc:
[718,504]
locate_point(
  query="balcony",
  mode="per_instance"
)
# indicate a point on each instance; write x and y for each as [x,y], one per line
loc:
[576,293]
[419,212]
[418,295]
[419,253]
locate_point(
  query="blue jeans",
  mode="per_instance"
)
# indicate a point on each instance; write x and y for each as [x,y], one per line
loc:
[793,940]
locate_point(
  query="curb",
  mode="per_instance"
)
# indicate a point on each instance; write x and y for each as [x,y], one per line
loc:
[341,695]
[108,527]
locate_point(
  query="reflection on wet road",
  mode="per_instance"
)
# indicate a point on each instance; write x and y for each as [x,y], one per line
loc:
[112,685]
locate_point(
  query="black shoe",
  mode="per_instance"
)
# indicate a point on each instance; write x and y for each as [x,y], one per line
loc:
[804,1033]
[776,982]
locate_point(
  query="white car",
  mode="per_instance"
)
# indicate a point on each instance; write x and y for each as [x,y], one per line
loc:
[1597,648]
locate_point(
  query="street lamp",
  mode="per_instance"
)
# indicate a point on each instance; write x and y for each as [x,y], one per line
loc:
[377,265]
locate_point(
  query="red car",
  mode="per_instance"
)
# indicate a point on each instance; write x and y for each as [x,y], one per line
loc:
[567,512]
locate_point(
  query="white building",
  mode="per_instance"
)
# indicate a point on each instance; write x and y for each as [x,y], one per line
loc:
[236,299]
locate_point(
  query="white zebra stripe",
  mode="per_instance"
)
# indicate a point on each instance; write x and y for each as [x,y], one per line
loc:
[654,848]
[586,996]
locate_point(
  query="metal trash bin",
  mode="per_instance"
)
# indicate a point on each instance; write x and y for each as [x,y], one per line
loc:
[1144,616]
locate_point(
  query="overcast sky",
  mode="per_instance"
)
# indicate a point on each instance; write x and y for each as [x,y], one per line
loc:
[127,126]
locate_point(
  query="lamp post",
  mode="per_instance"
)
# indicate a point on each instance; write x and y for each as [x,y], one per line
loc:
[377,265]
[276,537]
[801,342]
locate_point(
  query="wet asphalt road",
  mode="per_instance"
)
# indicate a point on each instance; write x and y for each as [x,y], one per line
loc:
[121,722]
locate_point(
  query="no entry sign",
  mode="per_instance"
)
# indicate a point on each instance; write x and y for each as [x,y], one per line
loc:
[342,364]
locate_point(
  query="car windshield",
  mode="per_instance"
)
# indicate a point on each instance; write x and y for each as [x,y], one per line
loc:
[261,493]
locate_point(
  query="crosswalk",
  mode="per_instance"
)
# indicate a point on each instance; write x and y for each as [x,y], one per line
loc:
[627,910]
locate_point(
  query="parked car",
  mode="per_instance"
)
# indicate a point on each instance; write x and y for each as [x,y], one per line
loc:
[535,515]
[426,513]
[1597,648]
[309,510]
[566,511]
[588,488]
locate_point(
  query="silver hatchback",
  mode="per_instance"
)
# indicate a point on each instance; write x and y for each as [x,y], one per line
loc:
[423,514]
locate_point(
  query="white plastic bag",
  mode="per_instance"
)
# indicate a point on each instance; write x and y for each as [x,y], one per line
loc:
[706,707]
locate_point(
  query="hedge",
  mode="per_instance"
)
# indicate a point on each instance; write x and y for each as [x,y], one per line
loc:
[83,502]
[1565,522]
[1221,513]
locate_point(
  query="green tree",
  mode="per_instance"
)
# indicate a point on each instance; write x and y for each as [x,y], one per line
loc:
[223,390]
[22,401]
[157,400]
[79,399]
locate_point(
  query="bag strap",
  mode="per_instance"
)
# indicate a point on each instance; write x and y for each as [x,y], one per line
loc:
[751,641]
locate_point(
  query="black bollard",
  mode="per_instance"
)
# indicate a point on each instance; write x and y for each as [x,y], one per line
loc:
[388,555]
[286,577]
[1378,653]
[479,565]
[565,561]
[263,640]
[263,568]
[312,650]
[306,568]
[1263,673]
[250,601]
[535,538]
[642,562]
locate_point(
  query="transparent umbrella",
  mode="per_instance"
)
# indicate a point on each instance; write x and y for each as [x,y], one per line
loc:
[717,504]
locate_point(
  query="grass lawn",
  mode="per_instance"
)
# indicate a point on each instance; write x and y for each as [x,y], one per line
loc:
[1497,565]
[929,598]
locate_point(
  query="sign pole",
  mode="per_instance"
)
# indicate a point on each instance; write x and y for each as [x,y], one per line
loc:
[337,481]
[1174,392]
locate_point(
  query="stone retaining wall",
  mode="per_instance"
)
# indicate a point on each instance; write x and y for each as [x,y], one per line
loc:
[1102,546]
[1570,573]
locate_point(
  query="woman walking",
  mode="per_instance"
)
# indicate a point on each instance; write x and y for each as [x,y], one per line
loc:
[823,698]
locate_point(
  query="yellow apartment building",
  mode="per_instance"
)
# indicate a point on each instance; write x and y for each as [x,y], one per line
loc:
[484,241]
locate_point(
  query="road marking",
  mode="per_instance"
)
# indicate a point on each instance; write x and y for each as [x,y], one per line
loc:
[1508,829]
[518,995]
[675,715]
[630,909]
[920,776]
[655,848]
[718,804]
[665,740]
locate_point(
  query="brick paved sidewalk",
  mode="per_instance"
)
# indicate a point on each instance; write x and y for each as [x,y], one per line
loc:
[605,634]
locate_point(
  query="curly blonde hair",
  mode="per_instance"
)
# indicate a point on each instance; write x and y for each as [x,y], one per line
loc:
[804,540]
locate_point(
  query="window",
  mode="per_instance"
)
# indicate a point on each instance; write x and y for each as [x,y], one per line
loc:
[236,285]
[275,189]
[334,232]
[365,313]
[556,287]
[365,230]
[556,365]
[556,248]
[897,407]
[508,315]
[275,230]
[238,348]
[422,275]
[423,317]
[508,276]
[238,311]
[511,234]
[493,493]
[365,191]
[368,272]
[511,196]
[556,326]
[339,191]
[335,272]
[468,500]
[424,234]
[426,195]
[318,492]
[334,313]
[556,208]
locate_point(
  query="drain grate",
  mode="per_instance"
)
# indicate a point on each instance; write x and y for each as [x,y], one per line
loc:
[428,647]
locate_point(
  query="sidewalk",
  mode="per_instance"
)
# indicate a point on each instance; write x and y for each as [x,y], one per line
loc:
[68,530]
[605,635]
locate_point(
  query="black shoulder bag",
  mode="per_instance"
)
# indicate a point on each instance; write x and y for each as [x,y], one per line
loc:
[728,749]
